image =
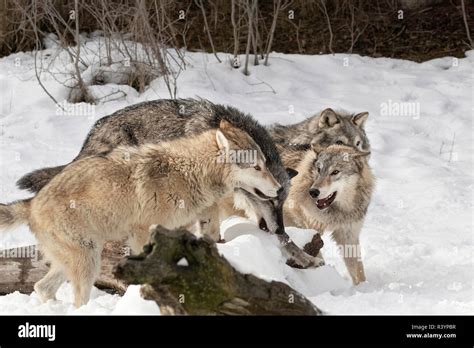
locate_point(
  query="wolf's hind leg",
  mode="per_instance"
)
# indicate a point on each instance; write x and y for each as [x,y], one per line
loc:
[47,287]
[348,240]
[83,271]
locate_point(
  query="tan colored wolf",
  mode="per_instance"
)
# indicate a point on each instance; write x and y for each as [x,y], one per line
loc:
[121,193]
[331,193]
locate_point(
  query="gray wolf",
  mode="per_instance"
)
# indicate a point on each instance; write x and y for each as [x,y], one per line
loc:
[331,193]
[120,193]
[155,121]
[324,129]
[166,119]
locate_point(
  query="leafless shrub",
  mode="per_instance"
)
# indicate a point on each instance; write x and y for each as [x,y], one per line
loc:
[138,43]
[151,36]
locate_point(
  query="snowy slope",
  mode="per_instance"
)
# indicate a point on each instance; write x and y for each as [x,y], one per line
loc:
[418,237]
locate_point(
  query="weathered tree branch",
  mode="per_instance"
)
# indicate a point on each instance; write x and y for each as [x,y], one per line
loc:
[208,285]
[186,275]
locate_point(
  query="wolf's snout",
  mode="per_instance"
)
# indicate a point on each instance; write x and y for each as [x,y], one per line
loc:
[314,192]
[275,191]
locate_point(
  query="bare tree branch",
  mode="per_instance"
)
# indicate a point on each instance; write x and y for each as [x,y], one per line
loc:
[276,10]
[206,25]
[464,16]
[325,11]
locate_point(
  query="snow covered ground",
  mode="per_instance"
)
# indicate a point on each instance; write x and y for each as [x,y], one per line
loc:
[418,237]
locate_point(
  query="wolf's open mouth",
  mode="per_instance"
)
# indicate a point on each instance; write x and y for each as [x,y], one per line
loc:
[263,225]
[326,202]
[261,194]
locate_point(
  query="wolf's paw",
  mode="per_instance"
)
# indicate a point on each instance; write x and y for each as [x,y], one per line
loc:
[44,294]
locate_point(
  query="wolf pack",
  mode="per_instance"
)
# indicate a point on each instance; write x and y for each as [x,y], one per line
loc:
[193,163]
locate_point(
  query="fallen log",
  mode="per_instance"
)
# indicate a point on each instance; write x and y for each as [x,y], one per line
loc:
[22,267]
[186,275]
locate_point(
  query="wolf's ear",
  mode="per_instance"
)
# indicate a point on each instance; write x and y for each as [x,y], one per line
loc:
[222,141]
[291,172]
[360,118]
[328,118]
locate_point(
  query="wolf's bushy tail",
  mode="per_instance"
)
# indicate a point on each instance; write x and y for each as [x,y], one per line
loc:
[37,179]
[14,214]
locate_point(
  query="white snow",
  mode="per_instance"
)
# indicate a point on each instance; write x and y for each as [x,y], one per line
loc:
[183,262]
[418,236]
[100,303]
[251,250]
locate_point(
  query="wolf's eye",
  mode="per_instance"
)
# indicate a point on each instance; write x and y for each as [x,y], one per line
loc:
[319,169]
[335,172]
[339,142]
[257,168]
[358,143]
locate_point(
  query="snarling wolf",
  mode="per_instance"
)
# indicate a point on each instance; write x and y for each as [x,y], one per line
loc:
[331,193]
[155,121]
[120,193]
[326,128]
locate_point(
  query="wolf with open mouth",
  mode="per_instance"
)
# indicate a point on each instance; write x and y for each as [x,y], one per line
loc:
[332,193]
[162,120]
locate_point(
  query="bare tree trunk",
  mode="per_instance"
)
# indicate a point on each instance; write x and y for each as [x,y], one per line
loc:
[250,10]
[80,82]
[272,30]
[235,62]
[3,24]
[255,33]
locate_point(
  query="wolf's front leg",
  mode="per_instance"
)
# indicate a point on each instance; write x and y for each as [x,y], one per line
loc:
[348,241]
[209,223]
[138,238]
